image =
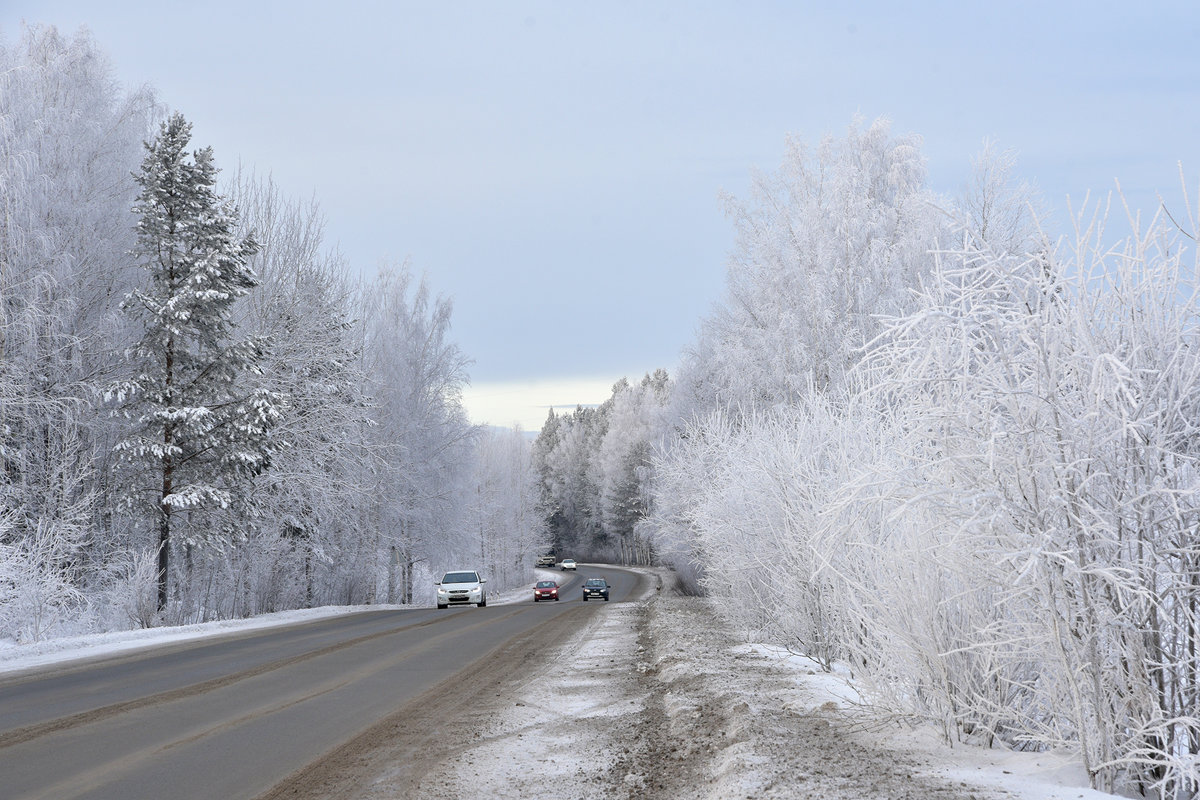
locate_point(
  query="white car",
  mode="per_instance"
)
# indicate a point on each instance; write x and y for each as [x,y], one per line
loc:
[568,563]
[462,587]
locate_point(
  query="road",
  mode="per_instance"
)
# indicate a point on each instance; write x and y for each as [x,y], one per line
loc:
[269,710]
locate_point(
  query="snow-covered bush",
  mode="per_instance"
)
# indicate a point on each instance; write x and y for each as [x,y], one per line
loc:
[128,595]
[988,510]
[1052,400]
[38,584]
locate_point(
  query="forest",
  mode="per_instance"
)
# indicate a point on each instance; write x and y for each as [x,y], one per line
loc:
[204,411]
[944,443]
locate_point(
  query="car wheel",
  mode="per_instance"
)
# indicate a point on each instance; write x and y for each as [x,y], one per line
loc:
[556,599]
[585,598]
[440,605]
[482,603]
[535,599]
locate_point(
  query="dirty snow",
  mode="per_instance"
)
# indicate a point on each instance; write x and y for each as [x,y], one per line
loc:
[656,699]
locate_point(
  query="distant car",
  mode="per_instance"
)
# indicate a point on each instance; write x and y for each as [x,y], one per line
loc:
[595,587]
[545,590]
[546,560]
[569,563]
[459,588]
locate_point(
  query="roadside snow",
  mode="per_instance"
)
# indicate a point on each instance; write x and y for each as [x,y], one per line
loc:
[1027,776]
[654,700]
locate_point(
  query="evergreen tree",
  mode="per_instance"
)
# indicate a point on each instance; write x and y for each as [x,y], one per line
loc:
[196,441]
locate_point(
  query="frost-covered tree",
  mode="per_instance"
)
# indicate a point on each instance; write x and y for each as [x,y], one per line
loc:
[1054,403]
[39,576]
[825,244]
[501,504]
[303,462]
[69,139]
[570,488]
[317,484]
[636,424]
[197,438]
[999,211]
[594,470]
[549,506]
[420,440]
[991,517]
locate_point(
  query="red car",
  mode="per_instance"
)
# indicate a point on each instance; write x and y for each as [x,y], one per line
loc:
[545,590]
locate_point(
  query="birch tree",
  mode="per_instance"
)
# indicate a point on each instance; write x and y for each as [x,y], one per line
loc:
[501,508]
[824,244]
[304,304]
[69,138]
[420,439]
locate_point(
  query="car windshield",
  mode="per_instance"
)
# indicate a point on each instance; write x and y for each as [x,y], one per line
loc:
[546,584]
[596,582]
[461,577]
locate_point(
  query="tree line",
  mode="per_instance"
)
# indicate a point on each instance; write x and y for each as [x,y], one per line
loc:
[596,480]
[204,411]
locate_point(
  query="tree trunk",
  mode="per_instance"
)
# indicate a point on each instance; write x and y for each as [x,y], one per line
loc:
[308,577]
[164,537]
[393,560]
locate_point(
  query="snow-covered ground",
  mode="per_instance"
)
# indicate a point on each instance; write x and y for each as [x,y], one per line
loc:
[653,699]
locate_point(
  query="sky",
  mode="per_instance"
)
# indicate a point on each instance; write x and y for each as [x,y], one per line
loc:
[558,168]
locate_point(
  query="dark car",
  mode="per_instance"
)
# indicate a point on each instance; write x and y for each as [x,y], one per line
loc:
[545,590]
[595,587]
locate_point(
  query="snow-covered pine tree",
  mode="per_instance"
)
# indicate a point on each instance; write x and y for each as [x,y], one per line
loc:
[196,440]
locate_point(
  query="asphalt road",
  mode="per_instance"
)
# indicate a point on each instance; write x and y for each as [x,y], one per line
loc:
[240,715]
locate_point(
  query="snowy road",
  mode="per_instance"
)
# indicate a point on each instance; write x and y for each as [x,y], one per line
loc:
[236,715]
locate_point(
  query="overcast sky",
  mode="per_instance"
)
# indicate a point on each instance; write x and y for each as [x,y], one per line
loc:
[556,167]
